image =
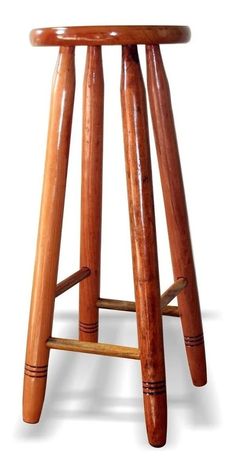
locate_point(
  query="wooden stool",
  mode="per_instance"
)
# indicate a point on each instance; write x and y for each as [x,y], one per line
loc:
[149,305]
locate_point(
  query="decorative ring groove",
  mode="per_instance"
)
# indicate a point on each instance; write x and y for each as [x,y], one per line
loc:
[192,341]
[153,388]
[88,327]
[34,371]
[44,370]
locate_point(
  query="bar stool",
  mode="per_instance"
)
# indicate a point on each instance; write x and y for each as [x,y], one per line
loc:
[149,305]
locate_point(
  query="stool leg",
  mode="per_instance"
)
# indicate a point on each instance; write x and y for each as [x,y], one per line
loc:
[144,250]
[49,235]
[176,212]
[91,194]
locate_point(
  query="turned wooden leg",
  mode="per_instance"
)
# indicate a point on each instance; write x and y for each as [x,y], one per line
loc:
[49,236]
[176,212]
[91,194]
[144,250]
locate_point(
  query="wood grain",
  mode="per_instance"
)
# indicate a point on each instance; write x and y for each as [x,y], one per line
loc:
[110,35]
[94,348]
[176,209]
[49,235]
[91,193]
[143,239]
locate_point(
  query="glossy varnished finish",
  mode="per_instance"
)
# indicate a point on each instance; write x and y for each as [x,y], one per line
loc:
[91,193]
[149,305]
[48,245]
[176,212]
[144,250]
[110,35]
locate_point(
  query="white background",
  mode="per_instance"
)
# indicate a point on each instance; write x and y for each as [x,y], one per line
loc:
[93,413]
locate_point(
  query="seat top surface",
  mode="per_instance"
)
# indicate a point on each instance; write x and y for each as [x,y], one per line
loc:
[109,35]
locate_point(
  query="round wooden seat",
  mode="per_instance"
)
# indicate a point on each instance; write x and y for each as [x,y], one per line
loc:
[109,35]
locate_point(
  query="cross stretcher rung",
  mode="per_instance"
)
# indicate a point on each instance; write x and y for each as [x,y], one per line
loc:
[105,348]
[166,298]
[173,291]
[95,348]
[128,306]
[72,280]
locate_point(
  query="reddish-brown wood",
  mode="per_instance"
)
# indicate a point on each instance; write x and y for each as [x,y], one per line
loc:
[49,236]
[149,305]
[72,280]
[144,250]
[101,35]
[176,212]
[91,194]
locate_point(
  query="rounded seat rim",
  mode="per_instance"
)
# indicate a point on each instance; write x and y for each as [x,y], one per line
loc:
[109,35]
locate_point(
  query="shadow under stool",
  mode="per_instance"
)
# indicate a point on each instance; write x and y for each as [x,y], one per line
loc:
[149,305]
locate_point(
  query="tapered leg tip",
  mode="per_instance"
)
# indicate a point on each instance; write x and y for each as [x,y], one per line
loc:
[157,439]
[29,421]
[156,418]
[197,365]
[201,381]
[157,445]
[33,397]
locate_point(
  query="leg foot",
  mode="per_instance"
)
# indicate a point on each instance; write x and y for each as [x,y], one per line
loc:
[144,250]
[34,392]
[156,412]
[49,236]
[176,212]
